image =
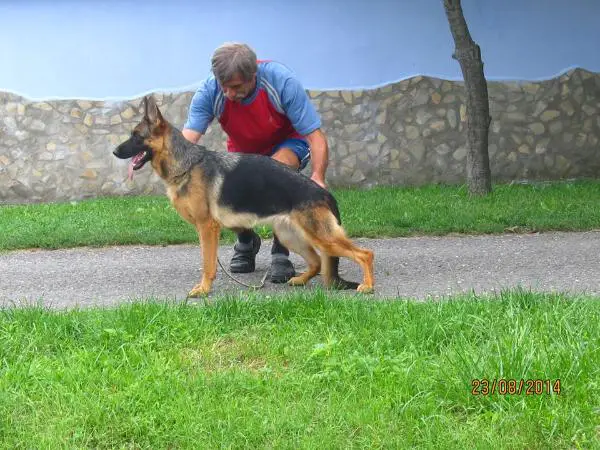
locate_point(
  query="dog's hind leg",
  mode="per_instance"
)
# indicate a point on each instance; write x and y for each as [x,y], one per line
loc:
[330,273]
[336,245]
[293,238]
[208,232]
[328,236]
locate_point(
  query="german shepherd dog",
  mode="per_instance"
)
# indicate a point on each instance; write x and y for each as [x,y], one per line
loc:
[211,190]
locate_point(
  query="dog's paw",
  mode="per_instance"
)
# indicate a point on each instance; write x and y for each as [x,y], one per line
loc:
[297,281]
[199,290]
[365,289]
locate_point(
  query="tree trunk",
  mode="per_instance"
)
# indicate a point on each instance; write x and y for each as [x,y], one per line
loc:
[468,55]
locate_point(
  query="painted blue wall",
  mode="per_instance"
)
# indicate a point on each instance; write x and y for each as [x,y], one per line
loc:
[121,49]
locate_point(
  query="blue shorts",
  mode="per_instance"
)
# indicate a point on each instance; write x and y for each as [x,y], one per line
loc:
[299,147]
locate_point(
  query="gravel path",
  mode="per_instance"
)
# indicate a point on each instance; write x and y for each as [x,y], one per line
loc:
[418,268]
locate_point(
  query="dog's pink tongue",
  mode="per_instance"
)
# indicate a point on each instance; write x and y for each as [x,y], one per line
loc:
[130,170]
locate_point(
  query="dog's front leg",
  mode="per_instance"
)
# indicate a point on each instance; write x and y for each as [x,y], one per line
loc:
[208,232]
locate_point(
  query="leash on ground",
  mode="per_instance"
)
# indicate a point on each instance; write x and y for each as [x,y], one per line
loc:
[251,286]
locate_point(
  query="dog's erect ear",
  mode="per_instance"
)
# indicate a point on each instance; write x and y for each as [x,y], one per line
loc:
[151,111]
[143,106]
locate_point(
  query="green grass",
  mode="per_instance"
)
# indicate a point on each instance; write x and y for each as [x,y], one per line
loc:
[301,371]
[304,370]
[379,212]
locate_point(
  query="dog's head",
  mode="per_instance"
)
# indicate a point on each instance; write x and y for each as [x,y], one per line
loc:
[147,138]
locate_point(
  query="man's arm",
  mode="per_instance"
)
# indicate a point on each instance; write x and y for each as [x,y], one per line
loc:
[200,112]
[191,135]
[319,156]
[307,121]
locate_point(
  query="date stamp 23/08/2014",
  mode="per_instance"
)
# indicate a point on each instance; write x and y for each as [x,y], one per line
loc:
[513,386]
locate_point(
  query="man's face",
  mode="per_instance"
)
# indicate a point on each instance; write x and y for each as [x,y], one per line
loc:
[237,89]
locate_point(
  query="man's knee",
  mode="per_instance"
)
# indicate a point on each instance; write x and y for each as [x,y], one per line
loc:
[287,156]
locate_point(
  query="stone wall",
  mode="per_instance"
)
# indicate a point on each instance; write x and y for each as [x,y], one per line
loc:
[408,133]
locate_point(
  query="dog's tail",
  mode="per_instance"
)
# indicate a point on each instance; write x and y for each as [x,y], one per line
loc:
[331,264]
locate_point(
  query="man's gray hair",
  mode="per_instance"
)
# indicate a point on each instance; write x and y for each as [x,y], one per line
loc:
[233,58]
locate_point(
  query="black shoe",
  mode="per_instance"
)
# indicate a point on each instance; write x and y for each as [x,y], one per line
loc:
[282,268]
[244,256]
